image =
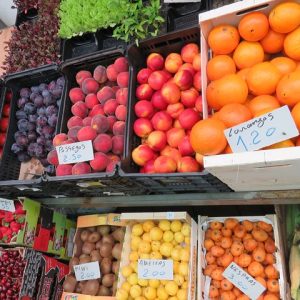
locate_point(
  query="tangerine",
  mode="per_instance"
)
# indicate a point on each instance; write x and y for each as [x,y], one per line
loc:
[263,103]
[292,44]
[284,64]
[296,114]
[273,42]
[219,66]
[243,73]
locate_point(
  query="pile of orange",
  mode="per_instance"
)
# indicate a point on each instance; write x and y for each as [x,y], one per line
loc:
[255,69]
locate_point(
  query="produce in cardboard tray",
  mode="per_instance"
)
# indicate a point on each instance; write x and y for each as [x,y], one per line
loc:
[4,119]
[254,69]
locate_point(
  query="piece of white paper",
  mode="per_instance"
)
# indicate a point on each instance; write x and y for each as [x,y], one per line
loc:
[87,271]
[155,269]
[7,205]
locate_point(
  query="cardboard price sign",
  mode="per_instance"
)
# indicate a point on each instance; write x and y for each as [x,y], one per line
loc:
[87,271]
[263,131]
[75,152]
[155,269]
[7,205]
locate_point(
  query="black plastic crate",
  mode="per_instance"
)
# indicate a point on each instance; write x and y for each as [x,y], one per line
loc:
[22,16]
[161,183]
[93,184]
[10,166]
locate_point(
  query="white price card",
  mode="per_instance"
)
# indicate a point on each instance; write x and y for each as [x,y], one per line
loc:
[155,269]
[243,281]
[75,152]
[263,131]
[7,205]
[87,271]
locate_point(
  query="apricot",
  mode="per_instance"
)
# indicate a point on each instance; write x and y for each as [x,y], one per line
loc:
[247,225]
[261,280]
[265,226]
[216,235]
[239,231]
[210,258]
[226,232]
[259,235]
[273,285]
[259,254]
[208,243]
[244,260]
[208,269]
[226,285]
[226,242]
[269,260]
[270,246]
[250,244]
[213,292]
[227,295]
[225,260]
[237,248]
[271,272]
[216,274]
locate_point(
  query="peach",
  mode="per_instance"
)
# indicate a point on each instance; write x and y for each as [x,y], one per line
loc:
[72,133]
[198,104]
[142,127]
[52,158]
[155,61]
[87,121]
[149,167]
[165,164]
[187,164]
[199,158]
[174,110]
[188,67]
[157,140]
[175,136]
[197,81]
[185,147]
[121,64]
[100,74]
[81,75]
[115,88]
[76,94]
[156,80]
[142,154]
[118,144]
[188,118]
[110,107]
[122,96]
[69,141]
[170,93]
[96,111]
[161,121]
[197,62]
[79,109]
[111,121]
[59,138]
[91,100]
[189,97]
[100,124]
[111,73]
[189,51]
[143,75]
[173,62]
[74,121]
[144,92]
[158,101]
[111,167]
[64,170]
[123,79]
[121,112]
[118,128]
[81,168]
[86,133]
[143,109]
[90,85]
[102,143]
[176,124]
[100,162]
[105,94]
[113,157]
[183,79]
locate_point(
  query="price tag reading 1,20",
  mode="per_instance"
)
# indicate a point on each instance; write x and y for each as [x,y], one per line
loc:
[87,271]
[263,131]
[7,205]
[75,152]
[155,269]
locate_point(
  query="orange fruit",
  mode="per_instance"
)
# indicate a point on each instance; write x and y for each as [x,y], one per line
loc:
[219,66]
[296,114]
[273,42]
[298,141]
[233,114]
[285,17]
[211,99]
[207,137]
[283,144]
[284,64]
[243,73]
[229,89]
[292,44]
[228,150]
[247,54]
[223,39]
[253,26]
[263,103]
[263,78]
[297,65]
[288,89]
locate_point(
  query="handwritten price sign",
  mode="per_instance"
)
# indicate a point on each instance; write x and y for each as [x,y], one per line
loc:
[263,131]
[75,152]
[7,205]
[87,271]
[155,269]
[243,281]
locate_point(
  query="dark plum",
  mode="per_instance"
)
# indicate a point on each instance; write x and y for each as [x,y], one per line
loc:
[22,125]
[43,86]
[38,101]
[48,100]
[31,136]
[31,149]
[32,118]
[48,132]
[21,102]
[52,85]
[39,151]
[41,121]
[33,96]
[15,148]
[31,126]
[41,140]
[25,92]
[52,120]
[39,130]
[29,108]
[45,93]
[23,156]
[60,81]
[49,146]
[35,89]
[41,111]
[57,93]
[17,134]
[20,114]
[51,110]
[22,141]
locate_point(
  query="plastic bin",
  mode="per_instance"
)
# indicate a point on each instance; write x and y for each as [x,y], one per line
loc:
[161,183]
[22,17]
[93,184]
[10,166]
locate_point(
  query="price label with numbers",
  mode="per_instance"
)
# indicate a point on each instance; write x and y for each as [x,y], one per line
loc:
[7,205]
[243,281]
[87,271]
[263,131]
[75,152]
[155,269]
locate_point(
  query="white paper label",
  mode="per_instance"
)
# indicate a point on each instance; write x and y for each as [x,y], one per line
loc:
[75,152]
[7,205]
[87,271]
[243,281]
[263,131]
[170,215]
[155,269]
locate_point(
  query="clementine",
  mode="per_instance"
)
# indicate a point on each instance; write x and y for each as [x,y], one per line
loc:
[273,42]
[263,103]
[219,66]
[296,114]
[284,64]
[243,73]
[292,44]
